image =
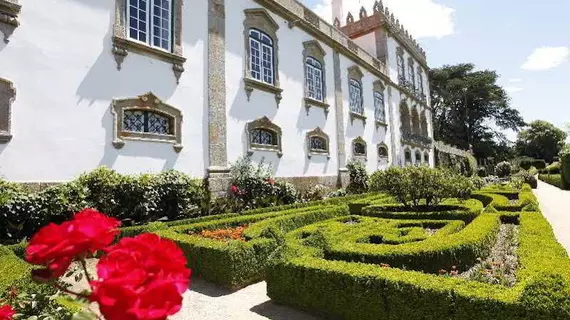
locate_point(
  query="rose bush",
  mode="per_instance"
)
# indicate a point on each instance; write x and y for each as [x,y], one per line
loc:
[6,313]
[140,278]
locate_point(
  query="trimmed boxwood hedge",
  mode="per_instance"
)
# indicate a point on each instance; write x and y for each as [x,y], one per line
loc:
[355,290]
[555,180]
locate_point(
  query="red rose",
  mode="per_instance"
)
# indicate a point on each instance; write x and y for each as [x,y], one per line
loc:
[141,278]
[56,246]
[235,189]
[6,313]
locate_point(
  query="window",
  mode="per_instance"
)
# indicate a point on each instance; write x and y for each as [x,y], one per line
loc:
[382,152]
[263,135]
[355,96]
[7,96]
[426,157]
[380,113]
[146,118]
[149,27]
[261,70]
[411,74]
[401,66]
[405,118]
[408,156]
[146,121]
[359,147]
[149,21]
[261,56]
[420,85]
[317,143]
[415,121]
[314,79]
[418,157]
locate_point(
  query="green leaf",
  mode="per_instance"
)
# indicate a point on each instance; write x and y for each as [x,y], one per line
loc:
[83,315]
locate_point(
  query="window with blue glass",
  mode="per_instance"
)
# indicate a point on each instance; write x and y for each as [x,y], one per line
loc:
[355,96]
[314,79]
[261,56]
[379,110]
[150,21]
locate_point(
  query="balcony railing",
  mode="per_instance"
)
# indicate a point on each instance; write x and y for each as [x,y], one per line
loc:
[417,139]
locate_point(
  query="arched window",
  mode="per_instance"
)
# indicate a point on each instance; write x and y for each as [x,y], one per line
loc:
[426,157]
[314,79]
[420,85]
[401,66]
[411,74]
[358,147]
[415,121]
[263,135]
[261,56]
[146,118]
[355,96]
[379,108]
[408,156]
[317,143]
[418,157]
[405,117]
[424,124]
[382,152]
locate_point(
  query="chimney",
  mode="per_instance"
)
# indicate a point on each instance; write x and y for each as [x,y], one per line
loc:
[337,13]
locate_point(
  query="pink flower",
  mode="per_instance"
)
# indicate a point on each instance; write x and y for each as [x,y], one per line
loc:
[235,189]
[6,313]
[271,181]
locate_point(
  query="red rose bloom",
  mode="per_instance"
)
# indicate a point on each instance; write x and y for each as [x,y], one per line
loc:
[55,246]
[235,189]
[141,278]
[6,313]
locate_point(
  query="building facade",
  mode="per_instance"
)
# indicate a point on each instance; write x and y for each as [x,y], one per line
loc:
[192,85]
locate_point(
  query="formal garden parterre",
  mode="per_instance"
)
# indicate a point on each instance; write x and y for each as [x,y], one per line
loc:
[439,249]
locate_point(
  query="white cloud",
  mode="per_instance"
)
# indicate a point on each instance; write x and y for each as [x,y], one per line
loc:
[515,80]
[545,58]
[422,18]
[513,89]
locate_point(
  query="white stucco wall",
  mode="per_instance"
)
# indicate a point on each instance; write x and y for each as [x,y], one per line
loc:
[60,61]
[290,115]
[367,42]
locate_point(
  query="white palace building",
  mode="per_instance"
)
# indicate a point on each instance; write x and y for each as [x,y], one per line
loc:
[192,85]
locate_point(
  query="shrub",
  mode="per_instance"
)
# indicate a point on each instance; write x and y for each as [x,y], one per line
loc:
[565,165]
[358,175]
[481,172]
[477,182]
[555,180]
[337,193]
[539,163]
[286,193]
[503,169]
[526,177]
[412,186]
[553,168]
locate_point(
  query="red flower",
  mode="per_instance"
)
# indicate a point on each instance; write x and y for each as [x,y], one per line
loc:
[271,181]
[6,313]
[141,278]
[235,189]
[56,246]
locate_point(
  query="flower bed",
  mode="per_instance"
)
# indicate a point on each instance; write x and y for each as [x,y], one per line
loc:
[330,273]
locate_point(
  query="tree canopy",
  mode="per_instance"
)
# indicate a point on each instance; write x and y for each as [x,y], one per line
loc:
[468,108]
[542,140]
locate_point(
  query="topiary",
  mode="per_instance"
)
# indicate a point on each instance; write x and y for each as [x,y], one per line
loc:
[358,182]
[503,169]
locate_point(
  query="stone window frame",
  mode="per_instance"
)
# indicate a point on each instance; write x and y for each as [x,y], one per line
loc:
[261,20]
[7,97]
[424,124]
[379,87]
[415,120]
[266,124]
[318,132]
[426,158]
[381,157]
[356,74]
[400,58]
[122,44]
[408,160]
[420,80]
[411,75]
[9,11]
[359,140]
[313,49]
[405,122]
[145,102]
[418,160]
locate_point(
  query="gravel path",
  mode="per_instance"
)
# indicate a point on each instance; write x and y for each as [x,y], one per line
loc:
[554,204]
[207,301]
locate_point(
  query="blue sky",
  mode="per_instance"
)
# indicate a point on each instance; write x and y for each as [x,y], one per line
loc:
[526,42]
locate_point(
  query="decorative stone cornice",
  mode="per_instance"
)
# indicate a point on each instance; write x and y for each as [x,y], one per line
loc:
[9,11]
[264,123]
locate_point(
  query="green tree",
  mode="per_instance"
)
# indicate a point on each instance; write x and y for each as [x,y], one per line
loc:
[542,140]
[468,108]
